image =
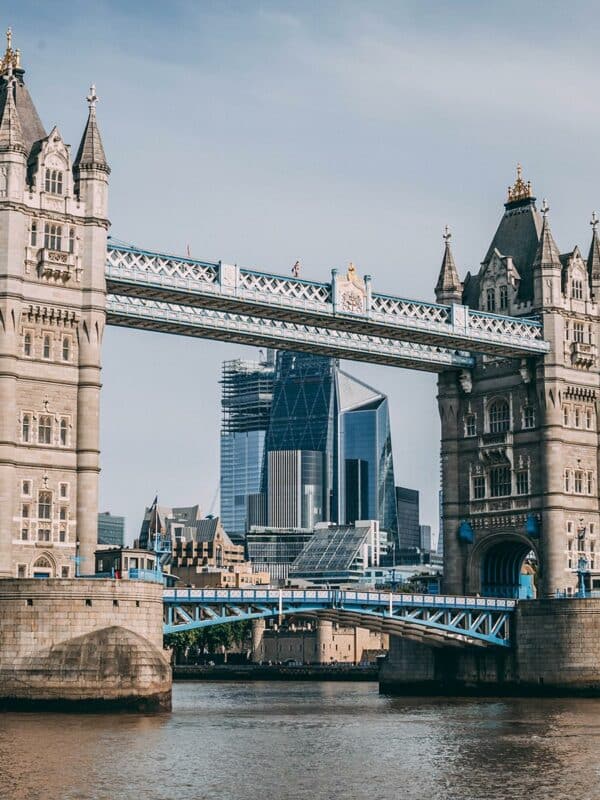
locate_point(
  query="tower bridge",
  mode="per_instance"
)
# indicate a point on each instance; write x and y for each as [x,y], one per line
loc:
[515,346]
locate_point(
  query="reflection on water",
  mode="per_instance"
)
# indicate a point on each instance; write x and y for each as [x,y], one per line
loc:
[321,741]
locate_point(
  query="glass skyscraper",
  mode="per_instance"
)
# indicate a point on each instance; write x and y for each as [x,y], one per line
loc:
[247,389]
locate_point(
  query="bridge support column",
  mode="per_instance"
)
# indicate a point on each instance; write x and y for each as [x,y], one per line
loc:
[258,641]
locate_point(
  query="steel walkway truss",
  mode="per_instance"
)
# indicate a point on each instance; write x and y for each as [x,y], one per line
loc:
[439,620]
[184,282]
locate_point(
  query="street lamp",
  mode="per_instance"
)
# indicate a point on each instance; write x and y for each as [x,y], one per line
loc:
[582,561]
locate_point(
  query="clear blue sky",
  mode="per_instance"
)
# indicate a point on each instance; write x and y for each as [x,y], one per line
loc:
[264,132]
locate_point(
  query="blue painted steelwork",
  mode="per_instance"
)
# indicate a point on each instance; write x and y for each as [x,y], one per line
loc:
[161,278]
[438,618]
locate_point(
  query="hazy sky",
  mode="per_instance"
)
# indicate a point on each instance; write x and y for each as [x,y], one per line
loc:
[264,132]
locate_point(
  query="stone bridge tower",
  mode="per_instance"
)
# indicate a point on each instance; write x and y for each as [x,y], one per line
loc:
[53,230]
[520,437]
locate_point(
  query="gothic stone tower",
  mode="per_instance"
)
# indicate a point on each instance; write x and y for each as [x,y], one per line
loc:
[520,437]
[53,230]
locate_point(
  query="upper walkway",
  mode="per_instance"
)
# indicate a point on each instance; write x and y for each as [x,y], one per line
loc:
[341,318]
[434,619]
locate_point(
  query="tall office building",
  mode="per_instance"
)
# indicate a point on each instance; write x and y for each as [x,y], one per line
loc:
[300,466]
[247,390]
[407,502]
[111,529]
[366,470]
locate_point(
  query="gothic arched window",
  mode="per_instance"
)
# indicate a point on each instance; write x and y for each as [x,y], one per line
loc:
[66,348]
[45,430]
[46,348]
[503,298]
[44,505]
[499,416]
[26,427]
[491,300]
[52,236]
[27,344]
[53,182]
[63,432]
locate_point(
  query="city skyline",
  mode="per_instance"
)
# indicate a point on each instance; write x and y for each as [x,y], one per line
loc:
[363,185]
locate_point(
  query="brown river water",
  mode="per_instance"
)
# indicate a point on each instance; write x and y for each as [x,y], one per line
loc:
[320,741]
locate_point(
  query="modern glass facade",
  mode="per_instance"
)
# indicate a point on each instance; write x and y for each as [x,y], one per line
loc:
[409,533]
[300,474]
[366,486]
[111,529]
[247,392]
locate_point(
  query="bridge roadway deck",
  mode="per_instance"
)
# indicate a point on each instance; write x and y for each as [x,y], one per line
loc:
[160,282]
[436,619]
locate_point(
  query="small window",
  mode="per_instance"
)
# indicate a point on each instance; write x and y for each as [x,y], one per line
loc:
[578,332]
[44,505]
[45,430]
[62,535]
[491,300]
[52,236]
[569,527]
[26,488]
[478,487]
[565,416]
[503,298]
[22,573]
[66,348]
[499,416]
[64,572]
[24,534]
[588,418]
[528,417]
[47,347]
[64,489]
[567,481]
[33,233]
[578,482]
[71,240]
[577,290]
[27,344]
[523,482]
[64,430]
[26,428]
[44,535]
[577,416]
[470,425]
[25,510]
[591,528]
[590,482]
[500,482]
[567,330]
[53,182]
[62,514]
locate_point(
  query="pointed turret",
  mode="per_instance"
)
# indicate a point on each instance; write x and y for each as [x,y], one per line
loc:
[448,288]
[13,92]
[90,155]
[593,262]
[11,133]
[547,266]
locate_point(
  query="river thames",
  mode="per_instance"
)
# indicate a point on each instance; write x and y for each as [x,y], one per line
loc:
[321,741]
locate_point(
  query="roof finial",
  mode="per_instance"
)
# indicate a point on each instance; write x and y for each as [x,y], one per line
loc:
[594,221]
[12,58]
[9,38]
[520,190]
[447,235]
[92,97]
[545,208]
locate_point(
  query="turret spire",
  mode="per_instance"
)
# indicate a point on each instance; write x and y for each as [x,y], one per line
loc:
[12,58]
[593,262]
[11,133]
[448,288]
[547,252]
[90,154]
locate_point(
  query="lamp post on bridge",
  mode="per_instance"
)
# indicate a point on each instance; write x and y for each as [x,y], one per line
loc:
[582,561]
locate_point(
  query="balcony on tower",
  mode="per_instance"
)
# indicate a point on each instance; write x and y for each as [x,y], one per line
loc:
[57,265]
[496,448]
[584,354]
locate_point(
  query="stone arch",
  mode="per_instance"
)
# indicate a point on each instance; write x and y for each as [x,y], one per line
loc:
[496,562]
[44,566]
